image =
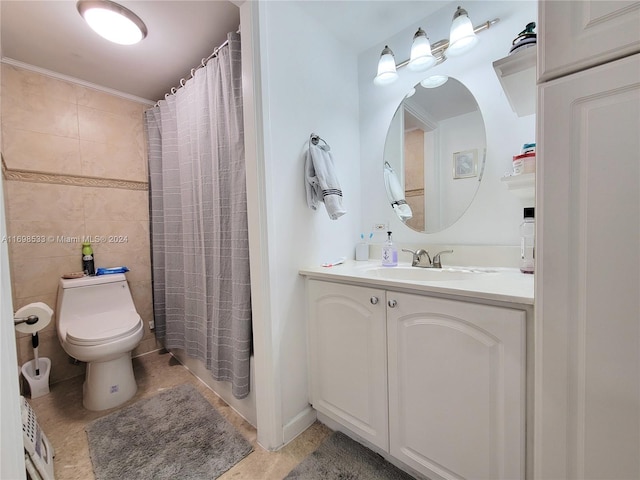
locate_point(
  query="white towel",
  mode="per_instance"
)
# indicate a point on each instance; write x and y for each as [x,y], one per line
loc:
[395,192]
[321,181]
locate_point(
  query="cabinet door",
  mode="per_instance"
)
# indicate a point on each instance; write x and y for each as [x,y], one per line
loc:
[574,35]
[456,387]
[347,347]
[587,358]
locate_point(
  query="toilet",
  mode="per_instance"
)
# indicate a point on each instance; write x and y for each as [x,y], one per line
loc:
[98,324]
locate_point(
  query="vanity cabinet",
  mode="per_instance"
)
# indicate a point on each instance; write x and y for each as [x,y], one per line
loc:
[456,387]
[348,358]
[453,372]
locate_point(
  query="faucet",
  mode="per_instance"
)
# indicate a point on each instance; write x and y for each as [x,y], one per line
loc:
[419,258]
[436,258]
[422,259]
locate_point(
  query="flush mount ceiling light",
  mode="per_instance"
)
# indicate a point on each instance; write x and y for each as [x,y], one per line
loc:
[112,21]
[425,55]
[434,81]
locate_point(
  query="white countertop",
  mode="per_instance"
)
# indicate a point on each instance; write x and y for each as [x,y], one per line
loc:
[484,283]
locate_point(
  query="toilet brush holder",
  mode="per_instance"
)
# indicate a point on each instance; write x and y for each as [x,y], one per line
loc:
[38,384]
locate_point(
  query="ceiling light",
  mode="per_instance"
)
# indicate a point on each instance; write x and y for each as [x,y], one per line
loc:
[386,68]
[462,38]
[421,57]
[434,81]
[112,21]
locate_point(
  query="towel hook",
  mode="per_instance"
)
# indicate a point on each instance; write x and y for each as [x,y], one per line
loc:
[315,139]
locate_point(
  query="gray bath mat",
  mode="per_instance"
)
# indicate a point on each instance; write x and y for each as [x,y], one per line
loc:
[340,458]
[176,434]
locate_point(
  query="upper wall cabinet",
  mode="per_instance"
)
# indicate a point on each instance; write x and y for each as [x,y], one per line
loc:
[595,31]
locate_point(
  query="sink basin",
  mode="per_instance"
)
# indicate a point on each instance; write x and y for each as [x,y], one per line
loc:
[417,274]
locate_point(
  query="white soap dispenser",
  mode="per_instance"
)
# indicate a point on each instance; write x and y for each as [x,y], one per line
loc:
[389,253]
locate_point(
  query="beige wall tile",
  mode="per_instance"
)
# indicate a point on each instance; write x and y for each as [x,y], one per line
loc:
[43,131]
[109,160]
[115,204]
[45,238]
[104,127]
[38,113]
[37,277]
[19,82]
[41,152]
[44,202]
[105,102]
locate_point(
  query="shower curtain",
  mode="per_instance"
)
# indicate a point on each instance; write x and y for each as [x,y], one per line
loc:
[200,251]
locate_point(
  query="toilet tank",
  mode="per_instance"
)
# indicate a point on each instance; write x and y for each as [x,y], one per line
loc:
[93,294]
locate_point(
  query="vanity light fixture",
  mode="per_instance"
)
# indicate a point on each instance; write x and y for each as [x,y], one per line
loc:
[112,21]
[425,55]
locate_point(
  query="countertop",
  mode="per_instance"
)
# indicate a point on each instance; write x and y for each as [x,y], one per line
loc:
[482,283]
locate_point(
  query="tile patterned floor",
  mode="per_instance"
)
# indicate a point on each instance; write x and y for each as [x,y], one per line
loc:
[62,417]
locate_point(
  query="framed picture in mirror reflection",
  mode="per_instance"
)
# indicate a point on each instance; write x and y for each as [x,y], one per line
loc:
[465,164]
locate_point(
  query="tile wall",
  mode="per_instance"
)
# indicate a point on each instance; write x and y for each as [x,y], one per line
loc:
[74,166]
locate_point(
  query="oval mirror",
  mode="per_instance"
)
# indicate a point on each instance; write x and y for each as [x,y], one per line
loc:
[434,155]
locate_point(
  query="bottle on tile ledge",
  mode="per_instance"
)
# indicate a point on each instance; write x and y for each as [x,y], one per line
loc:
[88,265]
[527,241]
[389,253]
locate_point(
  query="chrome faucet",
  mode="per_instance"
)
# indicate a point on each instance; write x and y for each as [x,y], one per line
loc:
[436,258]
[422,259]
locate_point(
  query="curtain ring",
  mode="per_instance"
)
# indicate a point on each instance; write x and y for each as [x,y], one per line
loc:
[203,62]
[193,71]
[174,90]
[182,82]
[166,96]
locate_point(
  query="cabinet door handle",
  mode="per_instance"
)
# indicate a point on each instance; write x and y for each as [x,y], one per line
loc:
[374,300]
[392,303]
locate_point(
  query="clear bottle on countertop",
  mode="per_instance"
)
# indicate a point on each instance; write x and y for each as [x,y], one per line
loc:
[527,241]
[88,265]
[389,253]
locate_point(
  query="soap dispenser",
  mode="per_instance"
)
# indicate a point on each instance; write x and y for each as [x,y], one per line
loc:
[389,253]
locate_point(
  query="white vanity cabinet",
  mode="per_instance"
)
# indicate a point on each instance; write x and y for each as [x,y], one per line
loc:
[456,387]
[453,372]
[348,358]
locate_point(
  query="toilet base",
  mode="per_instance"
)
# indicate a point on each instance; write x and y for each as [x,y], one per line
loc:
[109,384]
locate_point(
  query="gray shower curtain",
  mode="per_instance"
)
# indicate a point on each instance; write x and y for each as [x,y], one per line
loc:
[200,251]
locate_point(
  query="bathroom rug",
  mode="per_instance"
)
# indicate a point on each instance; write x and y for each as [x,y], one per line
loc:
[176,434]
[341,458]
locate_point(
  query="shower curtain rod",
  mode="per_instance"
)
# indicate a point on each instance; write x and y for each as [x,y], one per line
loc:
[203,63]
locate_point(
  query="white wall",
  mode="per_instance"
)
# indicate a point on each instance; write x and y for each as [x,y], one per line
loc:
[495,214]
[308,84]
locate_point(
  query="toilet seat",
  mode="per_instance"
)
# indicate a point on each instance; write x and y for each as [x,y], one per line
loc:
[100,328]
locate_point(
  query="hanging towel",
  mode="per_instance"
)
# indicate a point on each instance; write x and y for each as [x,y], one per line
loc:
[321,181]
[395,193]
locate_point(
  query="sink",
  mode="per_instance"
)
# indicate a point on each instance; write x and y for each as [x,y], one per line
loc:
[417,274]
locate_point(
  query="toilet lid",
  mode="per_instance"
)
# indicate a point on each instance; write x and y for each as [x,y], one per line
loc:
[102,327]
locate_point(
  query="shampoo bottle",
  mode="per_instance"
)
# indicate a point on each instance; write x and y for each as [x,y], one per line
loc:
[389,253]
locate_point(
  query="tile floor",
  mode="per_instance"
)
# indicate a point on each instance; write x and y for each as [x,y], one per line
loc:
[62,417]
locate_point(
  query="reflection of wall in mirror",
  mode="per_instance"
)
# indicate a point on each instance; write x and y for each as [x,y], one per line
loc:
[414,176]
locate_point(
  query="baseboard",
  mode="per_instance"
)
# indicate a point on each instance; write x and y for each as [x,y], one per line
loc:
[299,424]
